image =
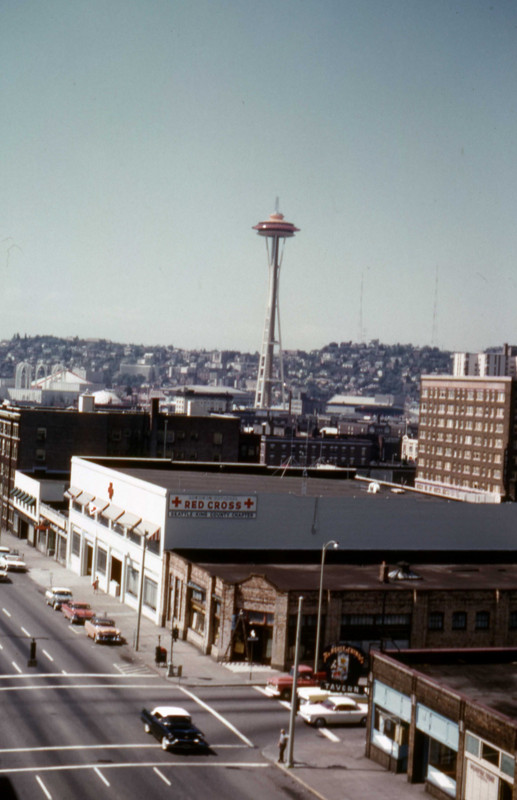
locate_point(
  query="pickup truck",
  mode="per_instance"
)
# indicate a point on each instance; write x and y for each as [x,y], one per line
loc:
[174,729]
[77,612]
[282,685]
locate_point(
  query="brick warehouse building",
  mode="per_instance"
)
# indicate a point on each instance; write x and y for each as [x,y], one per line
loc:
[447,719]
[445,606]
[42,441]
[225,539]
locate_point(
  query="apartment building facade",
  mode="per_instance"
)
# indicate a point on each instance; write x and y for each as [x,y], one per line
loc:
[467,437]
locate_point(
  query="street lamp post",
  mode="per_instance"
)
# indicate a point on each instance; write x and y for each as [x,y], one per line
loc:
[140,593]
[324,549]
[294,691]
[252,638]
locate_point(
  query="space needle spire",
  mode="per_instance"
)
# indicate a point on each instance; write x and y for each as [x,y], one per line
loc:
[275,230]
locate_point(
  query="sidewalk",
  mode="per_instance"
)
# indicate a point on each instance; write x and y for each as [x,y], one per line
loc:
[197,668]
[329,773]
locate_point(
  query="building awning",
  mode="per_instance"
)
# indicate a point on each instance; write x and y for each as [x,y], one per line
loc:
[112,512]
[72,492]
[97,505]
[83,498]
[148,529]
[129,520]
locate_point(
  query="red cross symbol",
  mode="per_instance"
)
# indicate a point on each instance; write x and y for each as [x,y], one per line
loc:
[176,501]
[248,502]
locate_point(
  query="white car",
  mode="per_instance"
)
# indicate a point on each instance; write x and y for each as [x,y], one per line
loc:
[13,562]
[56,595]
[334,711]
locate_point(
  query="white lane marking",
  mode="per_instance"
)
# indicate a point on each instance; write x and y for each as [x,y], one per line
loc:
[26,632]
[63,747]
[44,788]
[140,764]
[67,686]
[1,647]
[6,612]
[329,735]
[217,715]
[47,655]
[162,776]
[64,672]
[17,668]
[101,776]
[285,704]
[74,630]
[112,675]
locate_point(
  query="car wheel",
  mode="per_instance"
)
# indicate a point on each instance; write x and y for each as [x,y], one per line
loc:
[363,722]
[285,694]
[165,743]
[96,638]
[147,729]
[320,722]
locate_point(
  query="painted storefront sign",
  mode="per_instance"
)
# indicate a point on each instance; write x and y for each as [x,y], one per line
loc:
[206,506]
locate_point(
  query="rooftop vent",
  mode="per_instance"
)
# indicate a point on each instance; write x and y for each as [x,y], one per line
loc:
[403,572]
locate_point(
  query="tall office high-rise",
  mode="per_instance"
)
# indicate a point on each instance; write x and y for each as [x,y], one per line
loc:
[275,231]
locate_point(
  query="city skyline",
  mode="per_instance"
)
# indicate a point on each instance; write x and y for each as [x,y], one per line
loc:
[143,142]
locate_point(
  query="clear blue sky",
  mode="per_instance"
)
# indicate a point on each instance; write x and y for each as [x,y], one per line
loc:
[142,139]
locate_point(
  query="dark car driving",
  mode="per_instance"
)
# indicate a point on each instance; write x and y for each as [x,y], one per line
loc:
[174,729]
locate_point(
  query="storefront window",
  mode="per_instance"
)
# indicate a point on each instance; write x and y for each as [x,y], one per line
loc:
[132,581]
[76,543]
[442,758]
[197,608]
[101,561]
[150,593]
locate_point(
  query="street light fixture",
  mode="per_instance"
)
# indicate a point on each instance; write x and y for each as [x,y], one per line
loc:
[324,549]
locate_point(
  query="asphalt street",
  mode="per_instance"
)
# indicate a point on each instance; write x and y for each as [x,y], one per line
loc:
[71,724]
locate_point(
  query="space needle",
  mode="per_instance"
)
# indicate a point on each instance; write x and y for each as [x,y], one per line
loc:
[275,230]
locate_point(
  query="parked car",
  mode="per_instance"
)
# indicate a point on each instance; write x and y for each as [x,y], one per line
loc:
[3,572]
[173,728]
[101,629]
[13,561]
[334,711]
[312,694]
[77,612]
[57,595]
[282,685]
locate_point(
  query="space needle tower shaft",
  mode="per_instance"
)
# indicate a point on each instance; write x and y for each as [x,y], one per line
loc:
[275,230]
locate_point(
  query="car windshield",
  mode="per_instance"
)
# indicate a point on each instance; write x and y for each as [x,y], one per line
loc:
[107,623]
[176,722]
[81,606]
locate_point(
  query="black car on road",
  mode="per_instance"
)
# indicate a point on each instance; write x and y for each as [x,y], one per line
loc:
[174,729]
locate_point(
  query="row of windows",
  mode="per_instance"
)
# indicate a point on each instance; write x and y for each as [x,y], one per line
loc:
[462,469]
[475,455]
[460,424]
[459,410]
[490,395]
[459,621]
[434,435]
[450,480]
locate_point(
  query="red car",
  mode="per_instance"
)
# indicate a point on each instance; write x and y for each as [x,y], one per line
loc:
[77,612]
[282,685]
